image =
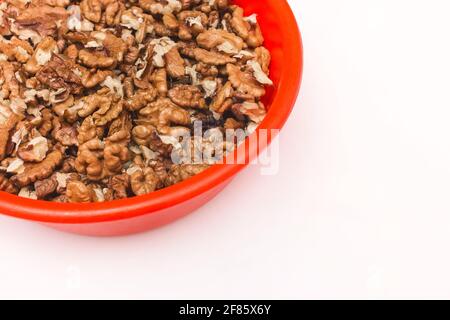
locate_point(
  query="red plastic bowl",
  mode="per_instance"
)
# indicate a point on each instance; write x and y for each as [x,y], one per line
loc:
[142,213]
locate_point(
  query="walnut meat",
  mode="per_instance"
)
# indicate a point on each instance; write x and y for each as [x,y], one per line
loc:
[99,99]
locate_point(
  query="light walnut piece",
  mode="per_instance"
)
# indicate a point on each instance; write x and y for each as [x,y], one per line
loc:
[146,135]
[10,87]
[67,136]
[87,131]
[41,55]
[263,57]
[95,77]
[16,49]
[256,112]
[90,160]
[116,152]
[181,172]
[212,58]
[38,171]
[191,24]
[244,82]
[95,59]
[159,80]
[108,112]
[144,181]
[141,99]
[187,96]
[43,19]
[174,63]
[220,39]
[35,150]
[163,113]
[222,101]
[109,10]
[78,192]
[160,6]
[115,46]
[247,29]
[53,3]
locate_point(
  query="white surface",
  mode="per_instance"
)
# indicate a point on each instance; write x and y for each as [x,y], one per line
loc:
[360,207]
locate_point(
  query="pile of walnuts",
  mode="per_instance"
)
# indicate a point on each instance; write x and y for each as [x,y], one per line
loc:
[95,94]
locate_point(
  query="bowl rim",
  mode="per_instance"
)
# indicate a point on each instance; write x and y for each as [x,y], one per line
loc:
[281,106]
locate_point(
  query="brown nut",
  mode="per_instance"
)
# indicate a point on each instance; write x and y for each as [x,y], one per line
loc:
[187,96]
[79,192]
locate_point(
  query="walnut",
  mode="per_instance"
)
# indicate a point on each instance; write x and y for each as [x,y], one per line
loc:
[187,96]
[174,63]
[119,185]
[244,82]
[95,59]
[67,136]
[115,46]
[159,7]
[144,181]
[87,131]
[55,3]
[95,10]
[47,122]
[10,86]
[108,112]
[94,77]
[222,101]
[233,124]
[104,107]
[191,24]
[147,136]
[42,19]
[8,121]
[181,172]
[159,80]
[38,171]
[170,21]
[163,113]
[90,160]
[212,58]
[6,185]
[58,74]
[220,39]
[141,99]
[60,108]
[263,57]
[79,192]
[45,187]
[116,151]
[35,151]
[246,29]
[254,111]
[16,49]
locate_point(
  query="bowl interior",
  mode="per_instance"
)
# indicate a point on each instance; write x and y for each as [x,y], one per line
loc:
[283,40]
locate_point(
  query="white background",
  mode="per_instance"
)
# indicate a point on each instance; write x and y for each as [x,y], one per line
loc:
[359,209]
